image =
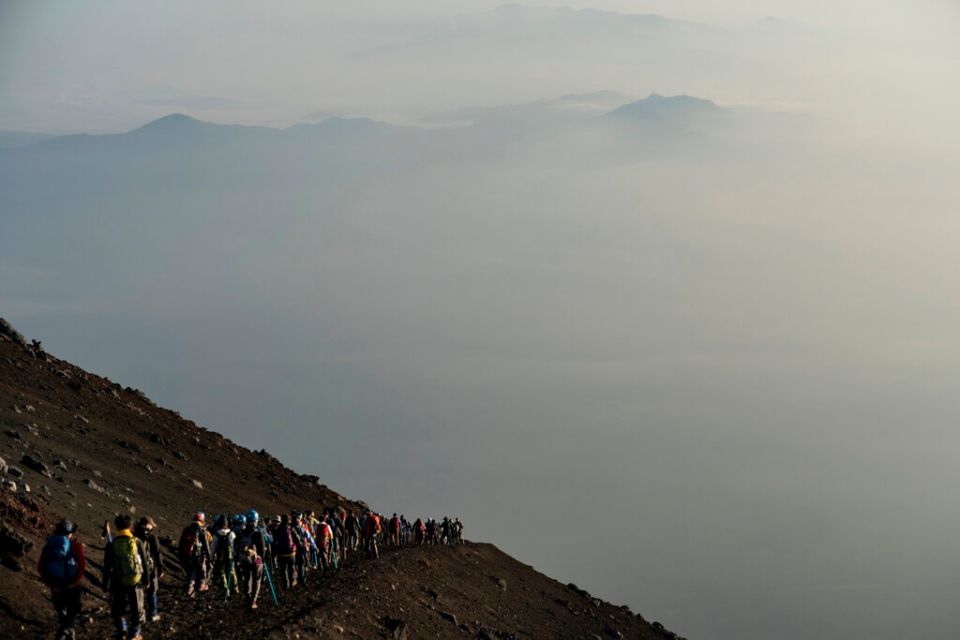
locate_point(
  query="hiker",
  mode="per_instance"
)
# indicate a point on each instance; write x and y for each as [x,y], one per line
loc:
[125,563]
[195,554]
[371,529]
[446,531]
[324,538]
[250,549]
[221,554]
[272,532]
[285,551]
[352,526]
[266,536]
[394,531]
[145,531]
[306,549]
[336,525]
[419,532]
[431,531]
[458,531]
[61,566]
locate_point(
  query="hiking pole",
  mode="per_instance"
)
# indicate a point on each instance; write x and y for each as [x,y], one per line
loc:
[229,570]
[273,592]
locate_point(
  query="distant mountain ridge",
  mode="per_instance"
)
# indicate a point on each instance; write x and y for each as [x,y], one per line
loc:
[661,107]
[183,126]
[16,139]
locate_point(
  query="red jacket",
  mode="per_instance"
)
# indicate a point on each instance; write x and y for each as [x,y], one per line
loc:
[76,550]
[372,525]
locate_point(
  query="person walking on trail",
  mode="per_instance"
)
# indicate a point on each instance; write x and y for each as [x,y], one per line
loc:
[221,552]
[352,526]
[394,528]
[324,540]
[336,525]
[125,565]
[371,529]
[145,530]
[194,551]
[446,531]
[285,551]
[61,566]
[419,532]
[306,548]
[271,533]
[250,550]
[267,554]
[457,531]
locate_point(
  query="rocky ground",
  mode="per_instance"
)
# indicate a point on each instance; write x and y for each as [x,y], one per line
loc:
[78,445]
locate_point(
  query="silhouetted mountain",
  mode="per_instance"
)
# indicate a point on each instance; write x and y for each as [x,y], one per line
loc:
[667,108]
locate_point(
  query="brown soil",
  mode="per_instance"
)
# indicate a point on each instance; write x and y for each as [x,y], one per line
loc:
[106,449]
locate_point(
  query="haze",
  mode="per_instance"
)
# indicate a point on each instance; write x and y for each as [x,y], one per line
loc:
[697,357]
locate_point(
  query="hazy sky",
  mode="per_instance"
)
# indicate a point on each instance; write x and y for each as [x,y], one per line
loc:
[106,65]
[727,341]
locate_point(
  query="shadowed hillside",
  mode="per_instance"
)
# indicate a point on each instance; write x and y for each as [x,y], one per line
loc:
[78,445]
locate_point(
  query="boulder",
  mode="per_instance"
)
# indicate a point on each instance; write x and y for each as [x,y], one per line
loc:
[446,615]
[36,465]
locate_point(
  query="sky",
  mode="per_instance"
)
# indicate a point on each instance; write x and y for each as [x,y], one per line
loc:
[704,365]
[106,66]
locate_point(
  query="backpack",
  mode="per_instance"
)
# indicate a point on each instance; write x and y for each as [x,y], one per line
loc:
[224,548]
[128,567]
[323,534]
[285,541]
[190,545]
[246,548]
[59,564]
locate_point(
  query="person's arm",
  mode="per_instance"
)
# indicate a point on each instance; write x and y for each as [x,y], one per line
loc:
[155,553]
[144,553]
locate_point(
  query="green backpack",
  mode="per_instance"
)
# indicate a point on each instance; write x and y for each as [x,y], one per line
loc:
[128,568]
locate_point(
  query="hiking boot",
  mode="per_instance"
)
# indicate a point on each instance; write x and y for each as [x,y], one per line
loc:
[204,587]
[253,606]
[154,618]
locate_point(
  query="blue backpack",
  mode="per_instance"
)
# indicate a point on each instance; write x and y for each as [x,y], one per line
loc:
[59,564]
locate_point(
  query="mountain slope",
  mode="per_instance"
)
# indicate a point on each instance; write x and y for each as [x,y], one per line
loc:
[89,448]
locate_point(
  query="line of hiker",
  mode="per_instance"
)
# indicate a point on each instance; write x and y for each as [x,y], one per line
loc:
[234,555]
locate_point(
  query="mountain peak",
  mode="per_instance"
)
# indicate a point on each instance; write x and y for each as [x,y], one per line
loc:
[658,106]
[173,123]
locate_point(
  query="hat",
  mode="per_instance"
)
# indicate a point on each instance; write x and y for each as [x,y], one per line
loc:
[65,527]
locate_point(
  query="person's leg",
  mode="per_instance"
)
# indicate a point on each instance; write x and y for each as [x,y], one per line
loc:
[118,605]
[58,599]
[135,596]
[71,609]
[256,579]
